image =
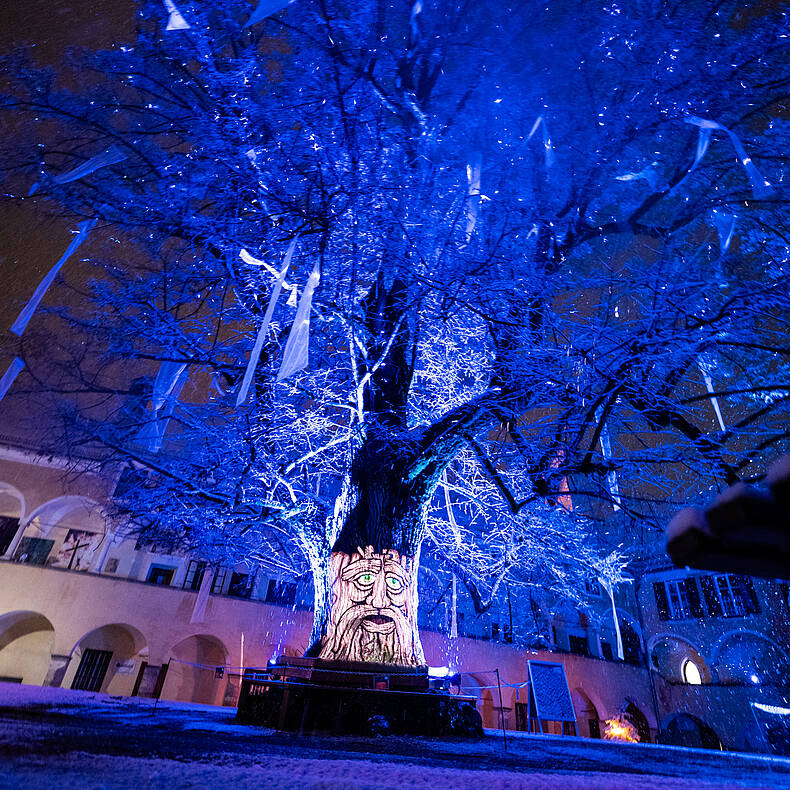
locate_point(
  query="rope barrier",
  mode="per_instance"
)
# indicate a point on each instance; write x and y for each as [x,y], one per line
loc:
[273,667]
[244,672]
[226,667]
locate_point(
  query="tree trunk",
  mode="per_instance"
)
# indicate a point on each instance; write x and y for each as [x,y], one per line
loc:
[366,594]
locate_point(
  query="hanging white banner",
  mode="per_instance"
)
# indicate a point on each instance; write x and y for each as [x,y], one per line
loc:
[12,371]
[247,258]
[704,368]
[608,587]
[111,156]
[266,8]
[201,601]
[416,10]
[548,150]
[168,384]
[296,348]
[267,318]
[175,21]
[606,452]
[761,187]
[473,194]
[647,173]
[725,227]
[18,327]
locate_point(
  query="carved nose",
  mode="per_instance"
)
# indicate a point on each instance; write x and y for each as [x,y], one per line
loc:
[379,597]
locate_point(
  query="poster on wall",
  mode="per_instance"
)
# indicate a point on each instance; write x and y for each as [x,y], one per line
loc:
[77,549]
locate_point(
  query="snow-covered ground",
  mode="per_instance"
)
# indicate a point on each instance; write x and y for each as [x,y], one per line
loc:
[56,738]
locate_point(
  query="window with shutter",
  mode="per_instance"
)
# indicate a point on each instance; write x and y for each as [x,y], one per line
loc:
[731,602]
[679,606]
[662,604]
[579,645]
[743,588]
[692,593]
[711,598]
[194,575]
[240,585]
[219,581]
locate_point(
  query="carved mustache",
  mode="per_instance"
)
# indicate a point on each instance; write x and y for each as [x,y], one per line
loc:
[372,619]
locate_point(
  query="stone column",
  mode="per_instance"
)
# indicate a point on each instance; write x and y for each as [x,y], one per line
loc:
[101,555]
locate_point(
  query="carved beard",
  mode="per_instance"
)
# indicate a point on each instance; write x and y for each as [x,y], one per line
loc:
[365,633]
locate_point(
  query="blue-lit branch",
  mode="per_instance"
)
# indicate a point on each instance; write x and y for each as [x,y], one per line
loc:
[508,323]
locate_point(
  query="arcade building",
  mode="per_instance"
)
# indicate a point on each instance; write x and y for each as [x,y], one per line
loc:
[695,658]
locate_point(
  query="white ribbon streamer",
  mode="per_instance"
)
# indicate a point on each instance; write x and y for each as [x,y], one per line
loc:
[12,371]
[714,401]
[457,536]
[201,601]
[111,156]
[296,347]
[725,227]
[262,332]
[266,8]
[761,187]
[168,384]
[548,150]
[18,327]
[647,173]
[175,21]
[608,587]
[606,451]
[416,10]
[247,258]
[473,194]
[165,383]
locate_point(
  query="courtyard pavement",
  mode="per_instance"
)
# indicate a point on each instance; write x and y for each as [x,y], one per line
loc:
[56,739]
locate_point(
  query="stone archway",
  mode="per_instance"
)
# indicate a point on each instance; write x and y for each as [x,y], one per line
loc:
[670,655]
[639,720]
[487,709]
[26,642]
[107,659]
[683,729]
[750,658]
[588,720]
[64,532]
[197,670]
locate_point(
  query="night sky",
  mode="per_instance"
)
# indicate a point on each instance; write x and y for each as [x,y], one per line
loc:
[31,241]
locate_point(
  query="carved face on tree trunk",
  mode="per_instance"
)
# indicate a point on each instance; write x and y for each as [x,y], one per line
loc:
[373,613]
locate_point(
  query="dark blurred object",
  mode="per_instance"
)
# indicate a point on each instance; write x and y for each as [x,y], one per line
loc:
[746,530]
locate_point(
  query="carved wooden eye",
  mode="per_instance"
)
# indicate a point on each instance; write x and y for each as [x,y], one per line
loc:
[394,583]
[364,579]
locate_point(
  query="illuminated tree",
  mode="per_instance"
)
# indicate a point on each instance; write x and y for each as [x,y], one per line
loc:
[550,273]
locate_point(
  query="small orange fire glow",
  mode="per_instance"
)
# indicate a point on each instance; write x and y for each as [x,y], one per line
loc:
[620,729]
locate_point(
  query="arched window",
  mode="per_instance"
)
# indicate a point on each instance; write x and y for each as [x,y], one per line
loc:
[690,673]
[749,658]
[632,649]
